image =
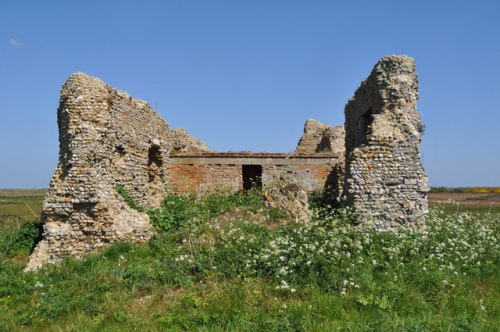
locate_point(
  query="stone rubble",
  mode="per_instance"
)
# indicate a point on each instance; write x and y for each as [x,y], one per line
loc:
[289,198]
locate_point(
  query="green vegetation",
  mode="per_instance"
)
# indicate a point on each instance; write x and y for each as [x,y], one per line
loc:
[226,262]
[455,208]
[130,202]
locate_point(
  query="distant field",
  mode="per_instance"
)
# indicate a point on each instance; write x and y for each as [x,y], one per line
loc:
[483,190]
[18,202]
[15,202]
[466,199]
[473,201]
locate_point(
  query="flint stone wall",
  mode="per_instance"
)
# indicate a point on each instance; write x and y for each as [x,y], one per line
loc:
[107,139]
[321,138]
[385,182]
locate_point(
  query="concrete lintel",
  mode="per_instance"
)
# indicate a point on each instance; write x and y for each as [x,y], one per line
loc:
[251,160]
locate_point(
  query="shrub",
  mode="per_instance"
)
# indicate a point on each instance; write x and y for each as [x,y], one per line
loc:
[20,238]
[176,211]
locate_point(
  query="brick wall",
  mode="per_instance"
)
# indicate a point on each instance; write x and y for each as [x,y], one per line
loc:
[205,178]
[199,173]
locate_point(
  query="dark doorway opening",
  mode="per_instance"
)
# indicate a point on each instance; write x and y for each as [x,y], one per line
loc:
[252,177]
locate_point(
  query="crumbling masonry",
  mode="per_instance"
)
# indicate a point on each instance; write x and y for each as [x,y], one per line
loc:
[385,182]
[106,139]
[109,140]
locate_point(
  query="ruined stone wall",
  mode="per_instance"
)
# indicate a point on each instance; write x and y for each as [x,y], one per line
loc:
[321,138]
[385,181]
[107,139]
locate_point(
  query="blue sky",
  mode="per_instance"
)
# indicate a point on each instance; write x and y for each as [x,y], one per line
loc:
[245,75]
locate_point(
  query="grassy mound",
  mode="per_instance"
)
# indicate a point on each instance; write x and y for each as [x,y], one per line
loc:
[226,262]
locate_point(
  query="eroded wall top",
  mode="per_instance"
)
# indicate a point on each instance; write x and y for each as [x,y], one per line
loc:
[183,142]
[321,138]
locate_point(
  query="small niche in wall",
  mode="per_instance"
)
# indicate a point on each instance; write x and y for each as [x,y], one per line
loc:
[154,162]
[367,120]
[155,183]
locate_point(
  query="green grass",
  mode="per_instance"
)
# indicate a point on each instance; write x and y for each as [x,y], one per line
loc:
[205,272]
[454,208]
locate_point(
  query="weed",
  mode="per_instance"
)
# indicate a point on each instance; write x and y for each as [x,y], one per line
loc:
[17,237]
[129,200]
